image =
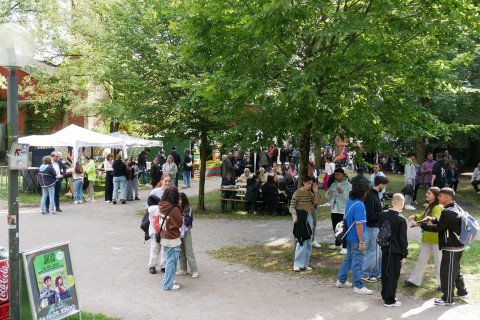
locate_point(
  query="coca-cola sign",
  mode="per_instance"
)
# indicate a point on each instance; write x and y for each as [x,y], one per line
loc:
[3,281]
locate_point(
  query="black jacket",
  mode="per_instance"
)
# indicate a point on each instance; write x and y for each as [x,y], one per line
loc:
[270,194]
[142,160]
[119,168]
[301,229]
[251,194]
[399,243]
[187,159]
[155,174]
[176,157]
[448,228]
[373,207]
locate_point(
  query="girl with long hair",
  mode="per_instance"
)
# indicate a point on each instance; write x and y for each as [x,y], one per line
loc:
[78,176]
[187,255]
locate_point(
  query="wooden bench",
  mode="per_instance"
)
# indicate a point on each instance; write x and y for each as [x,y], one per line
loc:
[235,200]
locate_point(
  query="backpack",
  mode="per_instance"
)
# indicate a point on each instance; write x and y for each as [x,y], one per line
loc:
[468,227]
[145,224]
[385,234]
[341,229]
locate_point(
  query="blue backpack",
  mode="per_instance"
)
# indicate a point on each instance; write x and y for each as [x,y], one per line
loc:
[468,227]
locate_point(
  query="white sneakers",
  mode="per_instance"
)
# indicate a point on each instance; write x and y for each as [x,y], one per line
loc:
[334,247]
[175,287]
[343,285]
[396,304]
[410,207]
[195,275]
[316,244]
[180,273]
[343,251]
[363,290]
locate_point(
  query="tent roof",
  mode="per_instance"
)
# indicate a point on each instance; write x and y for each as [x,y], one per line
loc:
[136,142]
[74,136]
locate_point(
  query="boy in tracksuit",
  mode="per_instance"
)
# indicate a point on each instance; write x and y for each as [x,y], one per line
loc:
[448,228]
[394,255]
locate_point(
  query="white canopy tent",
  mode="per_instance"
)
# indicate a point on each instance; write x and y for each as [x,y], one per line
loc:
[75,137]
[134,142]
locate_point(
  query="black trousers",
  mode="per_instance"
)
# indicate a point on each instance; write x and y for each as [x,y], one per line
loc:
[391,267]
[336,218]
[450,275]
[108,185]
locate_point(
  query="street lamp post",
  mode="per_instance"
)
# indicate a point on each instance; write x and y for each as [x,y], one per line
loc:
[17,48]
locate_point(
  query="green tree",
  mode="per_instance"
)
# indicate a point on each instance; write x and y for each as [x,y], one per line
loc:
[354,68]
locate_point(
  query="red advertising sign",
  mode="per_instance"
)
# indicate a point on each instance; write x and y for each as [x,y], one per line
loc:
[3,281]
[4,289]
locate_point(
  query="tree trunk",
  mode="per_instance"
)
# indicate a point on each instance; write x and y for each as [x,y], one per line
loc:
[318,153]
[473,157]
[304,150]
[203,170]
[420,145]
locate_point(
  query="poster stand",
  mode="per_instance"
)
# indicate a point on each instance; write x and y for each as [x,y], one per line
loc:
[49,282]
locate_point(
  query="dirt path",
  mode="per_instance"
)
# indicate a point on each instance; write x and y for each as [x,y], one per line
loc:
[110,261]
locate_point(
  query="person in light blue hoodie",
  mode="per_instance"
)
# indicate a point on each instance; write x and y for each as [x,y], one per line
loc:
[46,179]
[337,195]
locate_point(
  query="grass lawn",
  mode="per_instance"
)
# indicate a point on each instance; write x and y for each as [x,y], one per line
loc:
[91,316]
[266,258]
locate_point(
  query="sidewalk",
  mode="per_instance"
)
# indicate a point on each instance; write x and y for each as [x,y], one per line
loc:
[110,260]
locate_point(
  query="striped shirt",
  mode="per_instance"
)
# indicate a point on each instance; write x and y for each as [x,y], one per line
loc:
[303,200]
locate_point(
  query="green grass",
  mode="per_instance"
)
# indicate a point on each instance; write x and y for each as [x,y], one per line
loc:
[266,258]
[91,316]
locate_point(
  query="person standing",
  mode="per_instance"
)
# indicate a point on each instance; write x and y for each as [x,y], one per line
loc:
[410,175]
[187,168]
[119,179]
[47,178]
[329,169]
[170,234]
[142,164]
[239,164]
[337,196]
[107,166]
[176,160]
[91,173]
[429,241]
[371,270]
[303,200]
[377,171]
[452,176]
[155,172]
[136,177]
[170,168]
[448,228]
[78,176]
[355,220]
[426,170]
[395,254]
[187,255]
[60,170]
[439,172]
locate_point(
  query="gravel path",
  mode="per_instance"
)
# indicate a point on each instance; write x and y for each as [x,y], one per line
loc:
[110,259]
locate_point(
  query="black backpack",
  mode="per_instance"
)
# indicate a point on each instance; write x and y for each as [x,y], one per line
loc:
[152,200]
[385,234]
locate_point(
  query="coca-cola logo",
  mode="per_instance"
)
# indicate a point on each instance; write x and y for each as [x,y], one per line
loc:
[4,282]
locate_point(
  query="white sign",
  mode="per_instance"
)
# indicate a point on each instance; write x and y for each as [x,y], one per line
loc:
[18,156]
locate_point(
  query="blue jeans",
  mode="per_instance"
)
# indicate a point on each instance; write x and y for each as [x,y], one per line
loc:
[144,176]
[353,261]
[47,192]
[302,253]
[119,182]
[171,266]
[372,263]
[77,189]
[186,178]
[56,195]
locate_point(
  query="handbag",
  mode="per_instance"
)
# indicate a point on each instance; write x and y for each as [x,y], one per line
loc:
[157,234]
[341,229]
[189,164]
